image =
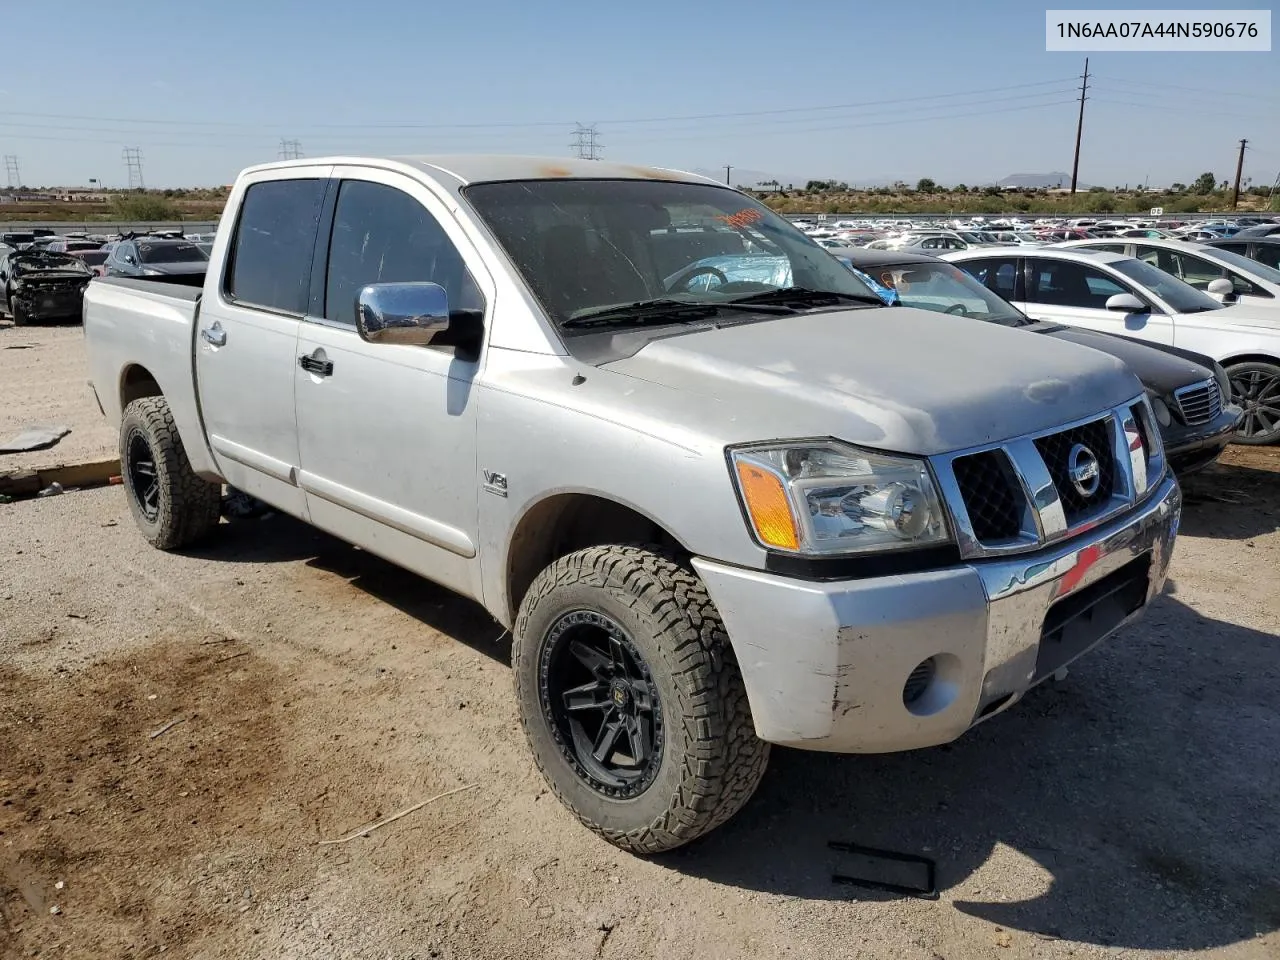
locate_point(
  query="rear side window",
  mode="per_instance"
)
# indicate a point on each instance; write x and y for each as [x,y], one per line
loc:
[997,274]
[271,251]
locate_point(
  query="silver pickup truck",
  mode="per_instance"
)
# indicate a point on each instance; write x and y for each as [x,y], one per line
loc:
[715,513]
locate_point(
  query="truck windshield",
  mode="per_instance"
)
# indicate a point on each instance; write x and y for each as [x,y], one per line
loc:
[584,246]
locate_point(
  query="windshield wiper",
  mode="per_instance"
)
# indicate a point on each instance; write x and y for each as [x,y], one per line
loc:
[662,310]
[806,297]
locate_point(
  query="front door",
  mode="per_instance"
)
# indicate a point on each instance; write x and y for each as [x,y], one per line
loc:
[247,333]
[387,432]
[1066,291]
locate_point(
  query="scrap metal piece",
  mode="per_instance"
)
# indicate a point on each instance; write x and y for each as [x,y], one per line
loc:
[926,891]
[35,437]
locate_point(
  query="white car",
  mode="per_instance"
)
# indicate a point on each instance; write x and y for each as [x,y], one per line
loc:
[938,241]
[1107,291]
[1227,276]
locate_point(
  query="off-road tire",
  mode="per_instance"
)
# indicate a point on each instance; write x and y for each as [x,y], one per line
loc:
[712,761]
[188,506]
[1268,371]
[20,318]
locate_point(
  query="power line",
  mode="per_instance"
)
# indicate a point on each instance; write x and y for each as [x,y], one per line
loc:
[11,170]
[586,142]
[290,149]
[132,157]
[1200,90]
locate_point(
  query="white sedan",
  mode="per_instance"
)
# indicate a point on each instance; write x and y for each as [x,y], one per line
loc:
[1116,294]
[1229,277]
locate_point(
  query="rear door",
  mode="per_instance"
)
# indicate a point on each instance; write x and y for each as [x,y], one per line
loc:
[247,333]
[1000,275]
[387,432]
[1066,291]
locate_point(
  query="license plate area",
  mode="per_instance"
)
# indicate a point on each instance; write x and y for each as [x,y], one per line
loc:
[1076,622]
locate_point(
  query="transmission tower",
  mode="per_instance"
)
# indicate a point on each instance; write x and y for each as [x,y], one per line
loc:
[11,170]
[290,149]
[132,157]
[586,142]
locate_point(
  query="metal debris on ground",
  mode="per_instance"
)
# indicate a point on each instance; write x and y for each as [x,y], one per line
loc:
[880,863]
[238,505]
[35,437]
[52,490]
[167,727]
[365,831]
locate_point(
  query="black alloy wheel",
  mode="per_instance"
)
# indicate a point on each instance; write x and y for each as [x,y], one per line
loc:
[601,703]
[144,485]
[1255,388]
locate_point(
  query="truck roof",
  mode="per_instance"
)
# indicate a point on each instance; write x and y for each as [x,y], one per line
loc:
[477,168]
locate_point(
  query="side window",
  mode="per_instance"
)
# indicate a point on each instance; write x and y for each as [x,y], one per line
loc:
[1268,254]
[271,251]
[124,251]
[997,274]
[383,235]
[1065,283]
[932,243]
[1109,247]
[1240,248]
[1193,270]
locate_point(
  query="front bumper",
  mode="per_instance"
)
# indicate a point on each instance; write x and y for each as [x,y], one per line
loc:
[50,305]
[1189,449]
[826,663]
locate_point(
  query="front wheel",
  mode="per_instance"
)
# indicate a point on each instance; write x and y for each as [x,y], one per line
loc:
[172,506]
[20,318]
[1255,388]
[632,700]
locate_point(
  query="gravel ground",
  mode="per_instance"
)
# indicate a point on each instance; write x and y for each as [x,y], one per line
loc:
[44,378]
[1128,811]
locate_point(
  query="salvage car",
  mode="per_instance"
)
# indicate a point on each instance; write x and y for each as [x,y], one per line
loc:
[1227,276]
[179,260]
[1186,389]
[1113,293]
[712,520]
[41,285]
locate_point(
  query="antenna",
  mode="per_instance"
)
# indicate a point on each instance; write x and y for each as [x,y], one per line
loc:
[585,142]
[290,149]
[132,157]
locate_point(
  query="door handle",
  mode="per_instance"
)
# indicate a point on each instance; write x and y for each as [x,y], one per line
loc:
[214,335]
[321,368]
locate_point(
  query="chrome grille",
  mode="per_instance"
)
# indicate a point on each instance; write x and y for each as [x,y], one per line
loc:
[1018,495]
[991,494]
[1199,403]
[1096,437]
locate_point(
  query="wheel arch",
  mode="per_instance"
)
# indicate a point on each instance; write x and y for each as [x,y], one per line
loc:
[563,522]
[1250,358]
[136,382]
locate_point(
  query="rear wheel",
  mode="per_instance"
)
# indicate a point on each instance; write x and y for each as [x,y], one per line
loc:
[1255,388]
[632,700]
[172,506]
[19,315]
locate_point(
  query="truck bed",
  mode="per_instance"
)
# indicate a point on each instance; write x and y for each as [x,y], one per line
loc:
[139,331]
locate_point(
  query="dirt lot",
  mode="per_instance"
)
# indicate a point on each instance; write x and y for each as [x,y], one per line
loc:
[1129,811]
[44,378]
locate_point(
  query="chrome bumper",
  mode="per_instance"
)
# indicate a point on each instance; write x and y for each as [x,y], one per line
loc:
[826,664]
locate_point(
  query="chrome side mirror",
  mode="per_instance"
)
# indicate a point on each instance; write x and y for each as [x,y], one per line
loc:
[404,313]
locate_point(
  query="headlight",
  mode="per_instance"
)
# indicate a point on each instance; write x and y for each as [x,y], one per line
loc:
[1161,410]
[821,498]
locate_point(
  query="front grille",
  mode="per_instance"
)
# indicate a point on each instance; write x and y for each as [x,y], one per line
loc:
[991,494]
[1199,403]
[1056,449]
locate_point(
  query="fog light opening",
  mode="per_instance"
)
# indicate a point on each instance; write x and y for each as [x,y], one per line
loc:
[932,685]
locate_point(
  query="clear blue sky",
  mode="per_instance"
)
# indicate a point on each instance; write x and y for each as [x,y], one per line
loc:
[226,80]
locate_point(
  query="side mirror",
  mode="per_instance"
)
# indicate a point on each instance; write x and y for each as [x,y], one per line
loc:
[1126,303]
[129,259]
[1222,287]
[404,313]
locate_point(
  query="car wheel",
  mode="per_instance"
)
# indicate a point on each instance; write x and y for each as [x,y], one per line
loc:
[632,700]
[20,318]
[173,506]
[1255,388]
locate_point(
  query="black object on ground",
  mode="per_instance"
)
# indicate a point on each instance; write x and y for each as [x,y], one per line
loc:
[890,871]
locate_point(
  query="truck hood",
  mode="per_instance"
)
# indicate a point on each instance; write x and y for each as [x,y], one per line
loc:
[892,378]
[1161,368]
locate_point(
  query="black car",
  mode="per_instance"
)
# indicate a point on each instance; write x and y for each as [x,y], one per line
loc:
[1266,250]
[158,259]
[1261,230]
[42,285]
[1187,390]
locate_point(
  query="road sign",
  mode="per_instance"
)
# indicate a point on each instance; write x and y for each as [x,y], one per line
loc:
[1157,211]
[822,218]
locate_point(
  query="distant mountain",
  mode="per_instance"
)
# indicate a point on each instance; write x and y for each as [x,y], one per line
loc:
[1038,180]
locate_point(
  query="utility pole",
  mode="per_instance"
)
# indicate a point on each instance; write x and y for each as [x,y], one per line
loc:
[11,170]
[1075,166]
[290,149]
[1235,192]
[727,168]
[585,142]
[132,157]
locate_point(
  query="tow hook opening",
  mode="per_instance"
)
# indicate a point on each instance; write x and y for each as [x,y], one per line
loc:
[932,685]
